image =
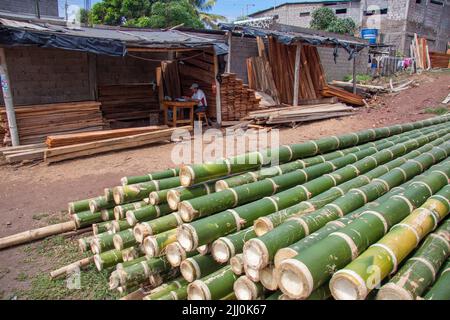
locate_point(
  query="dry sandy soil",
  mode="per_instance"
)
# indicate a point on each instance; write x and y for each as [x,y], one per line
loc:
[29,192]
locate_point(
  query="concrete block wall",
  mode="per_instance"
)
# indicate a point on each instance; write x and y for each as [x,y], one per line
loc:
[47,7]
[343,66]
[40,76]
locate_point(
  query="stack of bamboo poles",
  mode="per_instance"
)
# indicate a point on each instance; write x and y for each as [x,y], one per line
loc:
[329,217]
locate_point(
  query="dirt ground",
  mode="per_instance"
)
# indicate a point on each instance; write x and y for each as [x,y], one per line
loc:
[36,195]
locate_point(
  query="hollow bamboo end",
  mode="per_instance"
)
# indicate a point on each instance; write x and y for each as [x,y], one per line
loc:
[252,273]
[347,286]
[173,199]
[237,265]
[186,211]
[294,279]
[204,249]
[131,219]
[187,237]
[82,245]
[245,289]
[151,247]
[124,181]
[268,279]
[262,226]
[392,291]
[140,232]
[188,270]
[118,212]
[76,220]
[95,246]
[221,185]
[175,254]
[71,208]
[284,254]
[198,290]
[118,194]
[220,251]
[105,215]
[256,254]
[118,242]
[98,262]
[153,198]
[93,206]
[187,176]
[114,281]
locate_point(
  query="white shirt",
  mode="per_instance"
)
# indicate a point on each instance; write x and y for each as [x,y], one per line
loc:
[200,95]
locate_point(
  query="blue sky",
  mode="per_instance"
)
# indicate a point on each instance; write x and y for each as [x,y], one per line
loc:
[229,8]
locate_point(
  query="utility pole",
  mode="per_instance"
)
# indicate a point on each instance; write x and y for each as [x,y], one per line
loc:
[38,10]
[66,7]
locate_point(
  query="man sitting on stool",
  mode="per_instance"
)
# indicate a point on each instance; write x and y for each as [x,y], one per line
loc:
[199,95]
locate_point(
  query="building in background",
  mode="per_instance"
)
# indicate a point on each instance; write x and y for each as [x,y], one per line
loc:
[396,20]
[32,8]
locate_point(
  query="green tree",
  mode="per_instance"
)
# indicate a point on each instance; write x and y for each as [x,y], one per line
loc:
[325,19]
[202,8]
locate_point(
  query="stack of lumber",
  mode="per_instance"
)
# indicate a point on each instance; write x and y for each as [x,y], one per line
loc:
[420,53]
[342,95]
[72,151]
[36,122]
[236,98]
[262,229]
[260,77]
[440,60]
[312,76]
[365,90]
[76,138]
[198,67]
[30,152]
[153,251]
[128,102]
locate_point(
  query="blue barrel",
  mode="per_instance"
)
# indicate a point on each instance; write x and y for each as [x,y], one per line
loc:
[370,35]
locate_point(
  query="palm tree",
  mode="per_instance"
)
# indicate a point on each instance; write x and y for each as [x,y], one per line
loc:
[202,7]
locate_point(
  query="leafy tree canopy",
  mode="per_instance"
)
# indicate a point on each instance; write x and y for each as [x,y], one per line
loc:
[325,19]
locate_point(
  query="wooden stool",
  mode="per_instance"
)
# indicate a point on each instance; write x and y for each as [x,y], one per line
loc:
[201,115]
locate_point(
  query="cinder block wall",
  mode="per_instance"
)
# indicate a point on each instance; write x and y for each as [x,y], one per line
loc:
[343,66]
[47,7]
[41,75]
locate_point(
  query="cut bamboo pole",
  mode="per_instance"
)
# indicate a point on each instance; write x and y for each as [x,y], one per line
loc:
[71,267]
[246,289]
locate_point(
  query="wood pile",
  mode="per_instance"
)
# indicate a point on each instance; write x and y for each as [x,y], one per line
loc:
[420,53]
[237,98]
[342,95]
[297,114]
[96,147]
[76,138]
[36,122]
[440,60]
[260,77]
[29,152]
[127,102]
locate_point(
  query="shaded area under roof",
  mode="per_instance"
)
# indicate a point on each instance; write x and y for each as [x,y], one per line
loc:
[108,41]
[286,35]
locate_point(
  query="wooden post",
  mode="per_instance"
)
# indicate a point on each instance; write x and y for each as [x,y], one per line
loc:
[218,102]
[297,74]
[354,74]
[230,39]
[92,63]
[8,98]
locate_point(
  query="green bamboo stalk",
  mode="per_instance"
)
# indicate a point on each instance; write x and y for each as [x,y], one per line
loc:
[132,253]
[157,279]
[175,196]
[178,294]
[99,203]
[156,226]
[139,191]
[120,210]
[441,288]
[169,173]
[140,272]
[107,214]
[274,296]
[214,286]
[301,275]
[302,164]
[164,289]
[147,213]
[156,245]
[246,289]
[420,271]
[158,197]
[383,258]
[260,251]
[120,266]
[192,174]
[108,193]
[124,239]
[176,254]
[226,247]
[108,259]
[208,229]
[237,264]
[85,243]
[78,206]
[101,227]
[86,218]
[198,266]
[102,242]
[120,225]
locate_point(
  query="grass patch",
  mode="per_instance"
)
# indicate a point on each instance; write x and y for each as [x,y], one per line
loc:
[437,110]
[39,216]
[22,276]
[56,252]
[360,78]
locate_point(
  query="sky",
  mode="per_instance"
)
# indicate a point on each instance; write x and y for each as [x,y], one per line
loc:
[228,8]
